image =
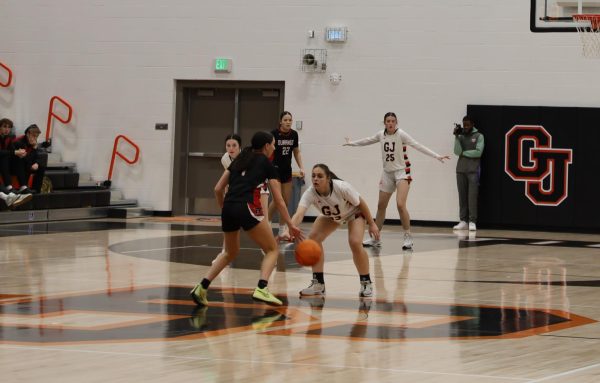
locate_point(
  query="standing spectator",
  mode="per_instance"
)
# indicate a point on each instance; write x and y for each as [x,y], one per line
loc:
[27,160]
[468,146]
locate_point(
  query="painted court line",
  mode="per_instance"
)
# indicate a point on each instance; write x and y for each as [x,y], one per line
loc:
[563,374]
[545,243]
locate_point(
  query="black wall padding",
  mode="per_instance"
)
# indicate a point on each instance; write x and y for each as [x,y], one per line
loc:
[567,196]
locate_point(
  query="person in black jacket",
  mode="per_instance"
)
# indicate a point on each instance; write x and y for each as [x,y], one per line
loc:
[7,194]
[27,160]
[6,140]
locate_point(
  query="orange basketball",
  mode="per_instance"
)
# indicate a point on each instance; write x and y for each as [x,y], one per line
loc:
[308,252]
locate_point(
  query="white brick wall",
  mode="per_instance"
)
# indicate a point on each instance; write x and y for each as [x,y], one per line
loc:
[116,62]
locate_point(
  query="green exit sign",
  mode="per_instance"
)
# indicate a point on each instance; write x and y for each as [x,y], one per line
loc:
[222,65]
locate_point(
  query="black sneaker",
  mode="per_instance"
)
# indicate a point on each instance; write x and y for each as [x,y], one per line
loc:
[25,190]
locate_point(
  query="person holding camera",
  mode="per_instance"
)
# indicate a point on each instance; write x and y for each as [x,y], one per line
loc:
[468,146]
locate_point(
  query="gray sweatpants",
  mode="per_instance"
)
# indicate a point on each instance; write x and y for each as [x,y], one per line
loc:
[468,189]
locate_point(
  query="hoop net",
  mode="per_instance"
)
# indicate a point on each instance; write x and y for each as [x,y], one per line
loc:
[588,27]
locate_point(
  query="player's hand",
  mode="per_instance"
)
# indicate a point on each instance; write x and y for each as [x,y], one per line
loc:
[347,141]
[442,158]
[296,233]
[35,167]
[374,231]
[302,173]
[20,153]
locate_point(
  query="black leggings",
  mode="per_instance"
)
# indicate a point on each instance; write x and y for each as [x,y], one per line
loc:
[21,168]
[5,169]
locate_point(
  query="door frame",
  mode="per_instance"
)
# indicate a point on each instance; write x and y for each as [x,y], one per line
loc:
[180,142]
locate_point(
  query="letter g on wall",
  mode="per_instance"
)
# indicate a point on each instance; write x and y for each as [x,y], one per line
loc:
[530,158]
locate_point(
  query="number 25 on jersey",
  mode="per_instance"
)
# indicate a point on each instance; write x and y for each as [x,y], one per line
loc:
[389,149]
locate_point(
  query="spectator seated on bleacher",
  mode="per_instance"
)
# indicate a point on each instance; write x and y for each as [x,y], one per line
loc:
[7,194]
[28,160]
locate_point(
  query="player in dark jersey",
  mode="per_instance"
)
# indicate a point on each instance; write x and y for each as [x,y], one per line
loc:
[286,144]
[241,208]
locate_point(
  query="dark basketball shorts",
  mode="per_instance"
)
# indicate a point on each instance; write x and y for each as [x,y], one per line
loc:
[285,175]
[236,215]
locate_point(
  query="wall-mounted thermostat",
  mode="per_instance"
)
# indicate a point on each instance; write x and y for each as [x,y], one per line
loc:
[336,34]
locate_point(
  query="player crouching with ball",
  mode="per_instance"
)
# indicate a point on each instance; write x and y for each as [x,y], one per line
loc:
[339,203]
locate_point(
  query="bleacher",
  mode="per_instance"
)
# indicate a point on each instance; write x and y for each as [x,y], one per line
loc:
[74,195]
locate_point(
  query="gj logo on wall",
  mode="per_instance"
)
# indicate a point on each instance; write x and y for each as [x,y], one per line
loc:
[531,159]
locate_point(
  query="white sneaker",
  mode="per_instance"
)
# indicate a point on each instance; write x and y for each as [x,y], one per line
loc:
[408,242]
[366,289]
[462,225]
[21,199]
[372,242]
[472,226]
[10,198]
[315,288]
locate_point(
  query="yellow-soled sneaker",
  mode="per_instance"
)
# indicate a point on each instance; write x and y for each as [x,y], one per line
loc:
[198,294]
[266,296]
[267,320]
[198,318]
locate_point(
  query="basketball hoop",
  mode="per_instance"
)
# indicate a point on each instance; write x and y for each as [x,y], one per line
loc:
[588,27]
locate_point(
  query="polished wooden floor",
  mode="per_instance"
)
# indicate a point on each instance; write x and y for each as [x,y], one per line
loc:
[106,301]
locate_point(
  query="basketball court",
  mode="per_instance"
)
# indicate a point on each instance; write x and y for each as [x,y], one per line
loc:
[86,298]
[107,300]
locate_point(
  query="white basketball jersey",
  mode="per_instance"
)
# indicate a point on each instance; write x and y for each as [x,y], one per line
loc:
[226,160]
[393,148]
[341,204]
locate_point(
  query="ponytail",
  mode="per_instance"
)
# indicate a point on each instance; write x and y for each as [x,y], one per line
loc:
[249,153]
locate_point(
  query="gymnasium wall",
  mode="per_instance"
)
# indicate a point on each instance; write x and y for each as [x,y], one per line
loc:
[117,62]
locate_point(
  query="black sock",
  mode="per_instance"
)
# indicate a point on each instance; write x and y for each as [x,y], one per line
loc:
[366,277]
[262,283]
[319,277]
[205,283]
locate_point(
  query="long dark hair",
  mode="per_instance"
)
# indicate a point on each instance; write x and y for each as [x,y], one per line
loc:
[234,136]
[331,175]
[283,114]
[249,153]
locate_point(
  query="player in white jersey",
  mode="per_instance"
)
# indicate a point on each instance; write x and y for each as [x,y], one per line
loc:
[339,203]
[396,172]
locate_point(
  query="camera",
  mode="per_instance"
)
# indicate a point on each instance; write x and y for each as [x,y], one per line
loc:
[458,129]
